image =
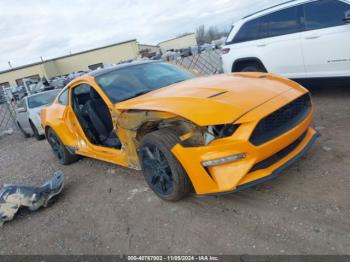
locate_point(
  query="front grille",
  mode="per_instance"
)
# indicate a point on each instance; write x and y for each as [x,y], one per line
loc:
[278,156]
[281,120]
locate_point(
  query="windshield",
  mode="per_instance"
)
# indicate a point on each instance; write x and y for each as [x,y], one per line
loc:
[42,99]
[126,83]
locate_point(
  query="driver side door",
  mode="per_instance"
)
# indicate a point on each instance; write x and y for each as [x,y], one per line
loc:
[84,145]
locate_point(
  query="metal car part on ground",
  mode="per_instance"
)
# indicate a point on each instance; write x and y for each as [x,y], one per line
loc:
[12,197]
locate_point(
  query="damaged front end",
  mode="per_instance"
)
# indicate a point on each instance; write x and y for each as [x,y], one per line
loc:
[132,125]
[12,197]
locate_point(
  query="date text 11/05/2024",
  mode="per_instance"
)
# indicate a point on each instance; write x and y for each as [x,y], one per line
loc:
[173,258]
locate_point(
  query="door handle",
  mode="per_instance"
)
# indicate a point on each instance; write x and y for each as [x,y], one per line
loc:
[262,44]
[312,37]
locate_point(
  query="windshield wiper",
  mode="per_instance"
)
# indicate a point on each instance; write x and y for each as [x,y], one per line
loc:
[139,93]
[178,81]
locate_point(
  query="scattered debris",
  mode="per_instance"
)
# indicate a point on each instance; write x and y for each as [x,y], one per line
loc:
[319,128]
[136,191]
[6,132]
[12,197]
[326,148]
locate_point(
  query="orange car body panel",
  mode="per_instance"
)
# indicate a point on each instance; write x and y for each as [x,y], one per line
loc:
[227,177]
[243,98]
[222,98]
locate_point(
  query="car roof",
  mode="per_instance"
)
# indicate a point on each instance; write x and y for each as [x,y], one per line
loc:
[44,92]
[277,7]
[271,7]
[103,71]
[283,5]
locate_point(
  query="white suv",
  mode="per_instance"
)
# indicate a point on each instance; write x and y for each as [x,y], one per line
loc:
[297,39]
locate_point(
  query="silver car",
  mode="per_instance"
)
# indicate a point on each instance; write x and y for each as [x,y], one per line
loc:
[28,112]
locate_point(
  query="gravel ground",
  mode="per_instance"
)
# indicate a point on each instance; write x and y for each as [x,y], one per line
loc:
[105,209]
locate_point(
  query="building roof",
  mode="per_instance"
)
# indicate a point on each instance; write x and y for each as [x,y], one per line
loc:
[148,45]
[65,56]
[175,38]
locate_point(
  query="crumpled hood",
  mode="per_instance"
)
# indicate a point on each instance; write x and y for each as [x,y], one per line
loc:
[211,100]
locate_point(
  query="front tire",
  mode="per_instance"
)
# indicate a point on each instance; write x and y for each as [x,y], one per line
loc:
[35,131]
[162,171]
[59,149]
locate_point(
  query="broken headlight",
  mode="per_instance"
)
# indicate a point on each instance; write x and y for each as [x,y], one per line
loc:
[219,131]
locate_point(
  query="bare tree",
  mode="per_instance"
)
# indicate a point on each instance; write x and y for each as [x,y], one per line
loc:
[201,35]
[207,36]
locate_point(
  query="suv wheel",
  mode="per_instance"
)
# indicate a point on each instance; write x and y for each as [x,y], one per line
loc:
[250,67]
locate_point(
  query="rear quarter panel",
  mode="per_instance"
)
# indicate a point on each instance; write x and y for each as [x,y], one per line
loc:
[53,117]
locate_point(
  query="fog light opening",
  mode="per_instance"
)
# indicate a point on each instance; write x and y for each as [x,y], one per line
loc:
[223,160]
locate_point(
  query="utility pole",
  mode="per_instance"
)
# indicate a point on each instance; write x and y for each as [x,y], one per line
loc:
[26,86]
[9,62]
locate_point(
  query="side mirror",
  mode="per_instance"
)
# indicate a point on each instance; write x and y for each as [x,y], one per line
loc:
[21,110]
[347,17]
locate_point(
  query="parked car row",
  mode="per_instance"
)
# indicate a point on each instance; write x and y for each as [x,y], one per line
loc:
[173,54]
[61,81]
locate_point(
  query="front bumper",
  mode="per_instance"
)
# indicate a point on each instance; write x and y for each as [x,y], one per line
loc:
[277,172]
[243,173]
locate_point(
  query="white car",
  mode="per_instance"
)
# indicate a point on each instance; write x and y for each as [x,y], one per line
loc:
[297,39]
[28,112]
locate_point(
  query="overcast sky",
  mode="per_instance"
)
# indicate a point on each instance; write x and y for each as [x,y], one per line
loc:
[50,28]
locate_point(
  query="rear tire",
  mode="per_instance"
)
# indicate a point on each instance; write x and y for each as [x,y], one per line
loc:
[250,67]
[22,131]
[60,150]
[162,171]
[35,131]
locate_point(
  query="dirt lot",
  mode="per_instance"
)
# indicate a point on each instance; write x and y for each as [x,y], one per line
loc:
[106,209]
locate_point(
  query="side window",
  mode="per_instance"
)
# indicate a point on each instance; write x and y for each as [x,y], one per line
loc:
[80,94]
[63,98]
[324,13]
[249,31]
[264,26]
[82,89]
[284,22]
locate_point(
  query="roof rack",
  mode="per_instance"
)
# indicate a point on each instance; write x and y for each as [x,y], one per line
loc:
[269,8]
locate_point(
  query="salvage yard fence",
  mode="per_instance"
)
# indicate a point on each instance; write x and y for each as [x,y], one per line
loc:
[7,113]
[205,63]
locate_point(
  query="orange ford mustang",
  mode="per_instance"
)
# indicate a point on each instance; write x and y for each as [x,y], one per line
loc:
[211,134]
